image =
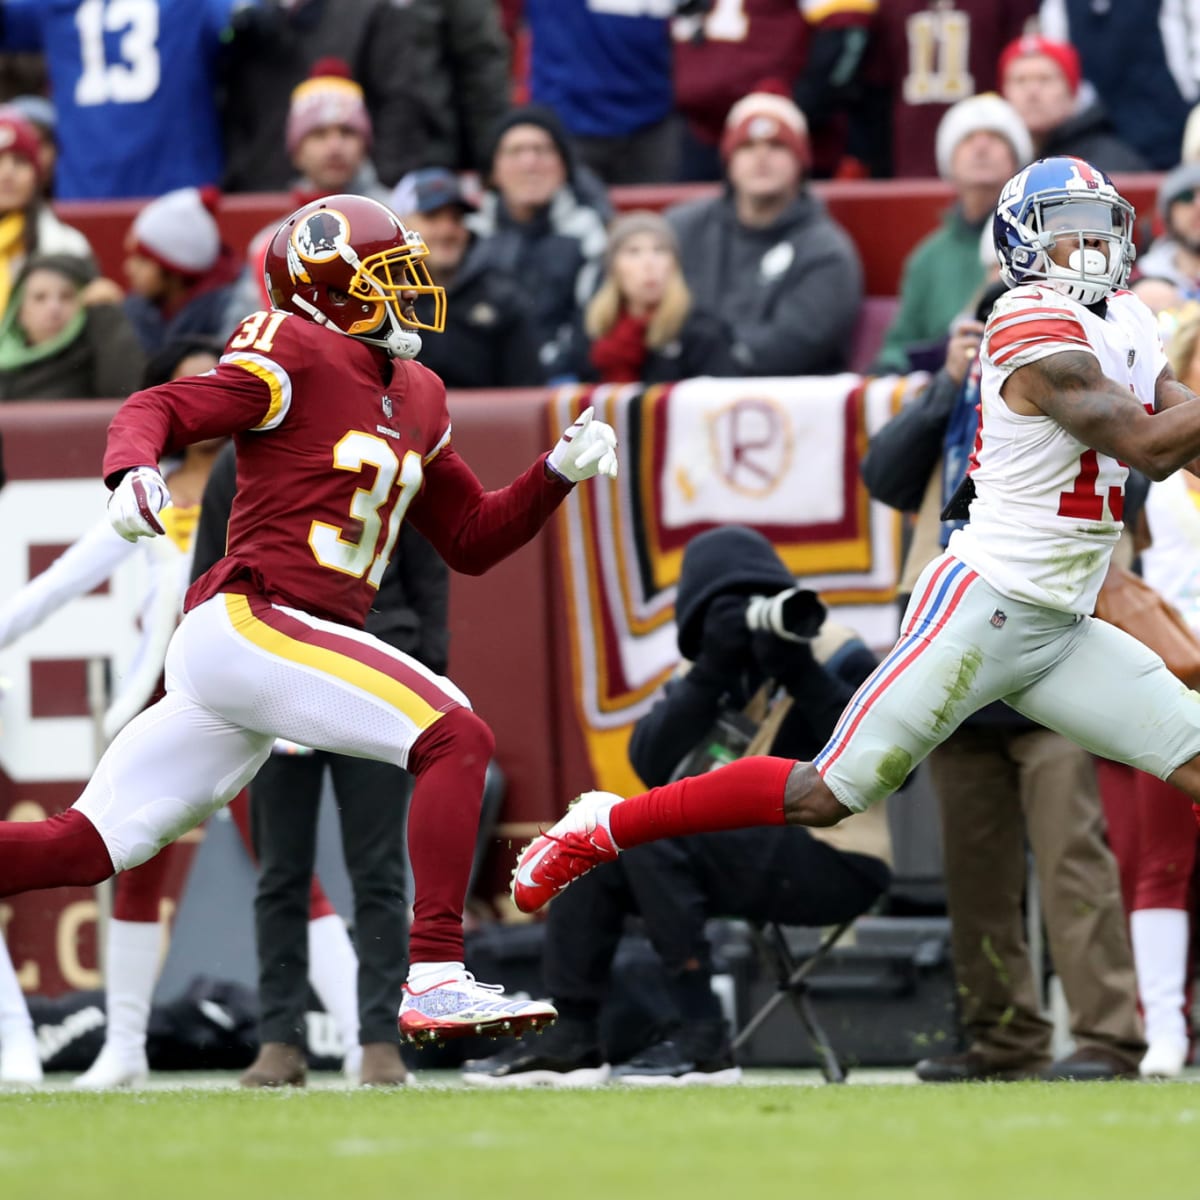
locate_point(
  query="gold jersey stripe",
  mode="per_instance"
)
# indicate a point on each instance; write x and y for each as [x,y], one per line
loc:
[278,382]
[329,662]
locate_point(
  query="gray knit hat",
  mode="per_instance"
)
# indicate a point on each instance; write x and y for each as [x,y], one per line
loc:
[639,221]
[1185,177]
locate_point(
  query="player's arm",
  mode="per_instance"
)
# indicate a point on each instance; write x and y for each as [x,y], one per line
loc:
[472,529]
[1168,393]
[1071,388]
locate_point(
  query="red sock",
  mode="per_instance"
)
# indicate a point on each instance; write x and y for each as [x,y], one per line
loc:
[449,761]
[744,793]
[65,851]
[138,890]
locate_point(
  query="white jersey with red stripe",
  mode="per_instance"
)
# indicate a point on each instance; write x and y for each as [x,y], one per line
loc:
[1047,509]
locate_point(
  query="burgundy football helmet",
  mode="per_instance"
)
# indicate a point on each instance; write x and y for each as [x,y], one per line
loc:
[345,262]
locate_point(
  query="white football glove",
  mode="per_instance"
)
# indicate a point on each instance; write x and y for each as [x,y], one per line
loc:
[136,501]
[588,448]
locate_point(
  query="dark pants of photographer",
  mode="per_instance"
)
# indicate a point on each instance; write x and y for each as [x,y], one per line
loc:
[779,874]
[284,805]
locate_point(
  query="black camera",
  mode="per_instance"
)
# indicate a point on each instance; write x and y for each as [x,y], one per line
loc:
[796,615]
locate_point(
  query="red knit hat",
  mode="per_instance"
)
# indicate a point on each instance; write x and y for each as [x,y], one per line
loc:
[18,137]
[1063,53]
[766,116]
[329,96]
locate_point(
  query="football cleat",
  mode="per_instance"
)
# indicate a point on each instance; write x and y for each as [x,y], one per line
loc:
[568,849]
[112,1069]
[463,1007]
[20,1063]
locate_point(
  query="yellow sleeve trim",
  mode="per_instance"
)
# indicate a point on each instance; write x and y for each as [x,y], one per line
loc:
[443,441]
[814,14]
[278,382]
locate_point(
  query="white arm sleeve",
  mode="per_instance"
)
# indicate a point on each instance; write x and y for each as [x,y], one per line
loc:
[81,567]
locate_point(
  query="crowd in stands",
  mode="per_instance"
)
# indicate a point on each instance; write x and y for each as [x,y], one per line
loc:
[496,129]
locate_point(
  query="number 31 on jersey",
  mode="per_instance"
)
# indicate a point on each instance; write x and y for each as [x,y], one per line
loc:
[358,556]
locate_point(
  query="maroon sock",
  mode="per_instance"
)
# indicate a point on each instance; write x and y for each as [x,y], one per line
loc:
[449,761]
[65,851]
[138,890]
[744,793]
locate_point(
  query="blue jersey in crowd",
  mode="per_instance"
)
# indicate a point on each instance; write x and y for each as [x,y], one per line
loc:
[133,82]
[603,65]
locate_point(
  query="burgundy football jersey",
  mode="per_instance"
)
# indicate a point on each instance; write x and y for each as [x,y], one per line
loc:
[930,54]
[334,442]
[740,44]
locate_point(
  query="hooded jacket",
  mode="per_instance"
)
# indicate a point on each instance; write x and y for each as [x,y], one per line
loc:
[791,291]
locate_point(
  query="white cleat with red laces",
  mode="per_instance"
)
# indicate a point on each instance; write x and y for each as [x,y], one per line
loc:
[568,849]
[463,1007]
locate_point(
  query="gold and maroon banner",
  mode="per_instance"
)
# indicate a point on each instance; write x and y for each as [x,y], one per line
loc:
[780,455]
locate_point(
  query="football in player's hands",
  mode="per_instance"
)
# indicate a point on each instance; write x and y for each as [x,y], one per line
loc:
[587,448]
[136,501]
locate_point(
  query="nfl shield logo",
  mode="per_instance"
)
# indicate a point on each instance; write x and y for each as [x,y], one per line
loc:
[387,406]
[1132,356]
[998,618]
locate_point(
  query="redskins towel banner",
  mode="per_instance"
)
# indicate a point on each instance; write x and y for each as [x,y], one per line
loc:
[780,455]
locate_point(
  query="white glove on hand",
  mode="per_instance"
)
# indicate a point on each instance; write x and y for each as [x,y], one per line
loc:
[588,448]
[136,501]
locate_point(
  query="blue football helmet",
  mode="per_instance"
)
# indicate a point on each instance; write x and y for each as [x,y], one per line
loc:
[1057,198]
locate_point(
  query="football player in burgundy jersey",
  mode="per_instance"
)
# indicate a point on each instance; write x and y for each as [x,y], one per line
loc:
[1074,386]
[340,436]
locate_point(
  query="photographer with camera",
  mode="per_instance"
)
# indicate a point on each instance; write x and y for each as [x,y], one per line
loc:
[763,670]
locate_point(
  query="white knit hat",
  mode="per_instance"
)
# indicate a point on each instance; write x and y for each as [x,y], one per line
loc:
[987,112]
[178,230]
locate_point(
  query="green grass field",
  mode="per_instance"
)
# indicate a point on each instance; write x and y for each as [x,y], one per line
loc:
[977,1142]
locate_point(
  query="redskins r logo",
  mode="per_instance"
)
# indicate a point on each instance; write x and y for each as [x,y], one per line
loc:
[320,236]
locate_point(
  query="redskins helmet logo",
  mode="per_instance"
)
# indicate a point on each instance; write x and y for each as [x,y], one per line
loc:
[319,238]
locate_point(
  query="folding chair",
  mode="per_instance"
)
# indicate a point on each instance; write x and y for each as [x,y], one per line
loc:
[791,976]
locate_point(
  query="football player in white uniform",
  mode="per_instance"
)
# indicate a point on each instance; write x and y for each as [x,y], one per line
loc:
[1075,386]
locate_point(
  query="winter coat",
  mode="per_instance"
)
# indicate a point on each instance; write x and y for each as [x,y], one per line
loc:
[104,362]
[556,256]
[466,88]
[791,292]
[489,339]
[1091,135]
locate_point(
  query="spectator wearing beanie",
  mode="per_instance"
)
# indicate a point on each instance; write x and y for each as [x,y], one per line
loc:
[54,346]
[1175,255]
[43,119]
[275,45]
[27,224]
[981,144]
[1040,78]
[489,339]
[328,136]
[642,326]
[541,222]
[765,256]
[178,271]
